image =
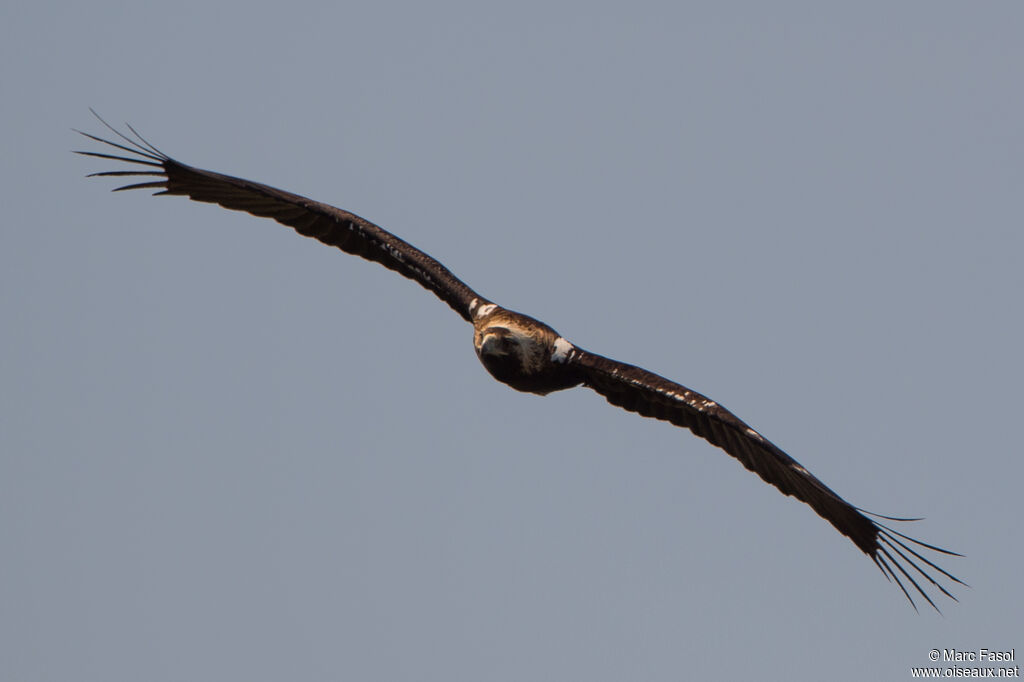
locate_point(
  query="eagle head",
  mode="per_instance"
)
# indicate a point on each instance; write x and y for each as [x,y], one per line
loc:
[503,352]
[498,342]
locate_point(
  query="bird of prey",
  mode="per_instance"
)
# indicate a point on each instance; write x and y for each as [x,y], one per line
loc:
[530,356]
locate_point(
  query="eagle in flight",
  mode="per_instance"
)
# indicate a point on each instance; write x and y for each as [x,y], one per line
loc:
[530,356]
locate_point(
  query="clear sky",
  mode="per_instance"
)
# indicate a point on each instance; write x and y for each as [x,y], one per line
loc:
[231,453]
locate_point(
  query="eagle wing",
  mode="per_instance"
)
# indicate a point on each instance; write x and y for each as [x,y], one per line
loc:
[330,225]
[650,395]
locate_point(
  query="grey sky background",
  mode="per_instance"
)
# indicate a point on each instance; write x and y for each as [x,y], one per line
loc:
[228,452]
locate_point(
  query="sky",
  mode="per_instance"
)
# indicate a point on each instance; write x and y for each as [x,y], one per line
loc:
[229,452]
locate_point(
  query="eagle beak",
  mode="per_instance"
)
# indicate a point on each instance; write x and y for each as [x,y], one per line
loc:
[491,345]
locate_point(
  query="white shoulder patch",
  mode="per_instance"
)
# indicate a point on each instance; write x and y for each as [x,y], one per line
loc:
[562,350]
[483,310]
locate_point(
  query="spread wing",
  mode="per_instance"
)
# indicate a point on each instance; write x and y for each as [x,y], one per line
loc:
[650,395]
[328,224]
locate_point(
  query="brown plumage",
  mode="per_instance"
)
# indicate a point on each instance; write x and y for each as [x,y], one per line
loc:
[530,356]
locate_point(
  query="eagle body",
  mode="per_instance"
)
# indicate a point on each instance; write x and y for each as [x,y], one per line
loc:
[530,356]
[522,352]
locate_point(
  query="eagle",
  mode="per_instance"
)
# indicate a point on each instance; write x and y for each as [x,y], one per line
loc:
[532,357]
